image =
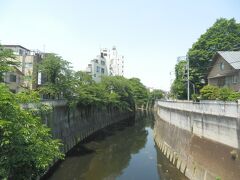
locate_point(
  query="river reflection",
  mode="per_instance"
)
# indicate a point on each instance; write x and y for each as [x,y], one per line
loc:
[125,150]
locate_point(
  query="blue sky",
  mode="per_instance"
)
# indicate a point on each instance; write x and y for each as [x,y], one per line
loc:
[151,34]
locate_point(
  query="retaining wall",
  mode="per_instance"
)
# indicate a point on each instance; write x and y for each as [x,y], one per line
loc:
[200,139]
[73,125]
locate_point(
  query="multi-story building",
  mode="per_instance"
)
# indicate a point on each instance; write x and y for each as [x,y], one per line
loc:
[14,80]
[115,62]
[97,68]
[28,64]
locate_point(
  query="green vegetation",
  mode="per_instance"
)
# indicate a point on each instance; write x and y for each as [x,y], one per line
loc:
[224,35]
[26,145]
[57,76]
[154,95]
[210,92]
[6,60]
[178,88]
[60,81]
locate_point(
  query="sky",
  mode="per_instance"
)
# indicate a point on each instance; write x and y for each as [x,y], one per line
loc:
[151,34]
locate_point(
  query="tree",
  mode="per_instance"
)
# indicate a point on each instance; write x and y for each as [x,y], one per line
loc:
[179,88]
[26,145]
[224,35]
[154,95]
[139,91]
[81,77]
[7,59]
[118,89]
[57,76]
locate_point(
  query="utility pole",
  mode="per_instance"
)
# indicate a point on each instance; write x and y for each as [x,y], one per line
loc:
[186,67]
[188,91]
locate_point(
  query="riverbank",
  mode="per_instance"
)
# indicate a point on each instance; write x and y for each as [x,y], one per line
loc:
[124,150]
[195,156]
[72,125]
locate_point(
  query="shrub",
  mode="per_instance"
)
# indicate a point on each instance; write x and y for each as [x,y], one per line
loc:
[195,97]
[234,96]
[209,92]
[225,93]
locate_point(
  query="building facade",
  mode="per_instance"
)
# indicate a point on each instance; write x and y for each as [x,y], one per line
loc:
[29,61]
[14,80]
[115,62]
[225,70]
[97,68]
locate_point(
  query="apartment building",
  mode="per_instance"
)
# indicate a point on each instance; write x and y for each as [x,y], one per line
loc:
[97,68]
[14,80]
[28,65]
[115,61]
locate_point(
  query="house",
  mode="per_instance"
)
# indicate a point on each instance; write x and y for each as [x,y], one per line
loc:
[225,70]
[14,80]
[29,61]
[97,68]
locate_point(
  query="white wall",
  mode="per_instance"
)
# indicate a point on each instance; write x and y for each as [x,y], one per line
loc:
[217,121]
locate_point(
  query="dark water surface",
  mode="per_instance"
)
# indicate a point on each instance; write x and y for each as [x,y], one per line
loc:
[124,151]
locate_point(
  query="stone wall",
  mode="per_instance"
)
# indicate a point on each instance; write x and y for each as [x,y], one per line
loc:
[201,144]
[73,125]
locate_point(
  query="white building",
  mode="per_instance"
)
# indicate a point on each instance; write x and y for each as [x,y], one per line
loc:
[97,68]
[115,62]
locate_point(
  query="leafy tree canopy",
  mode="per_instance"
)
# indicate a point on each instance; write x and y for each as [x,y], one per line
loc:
[57,75]
[179,88]
[26,145]
[224,35]
[7,60]
[140,93]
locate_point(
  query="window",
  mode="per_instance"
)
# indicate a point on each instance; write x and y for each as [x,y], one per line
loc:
[102,63]
[12,78]
[105,54]
[28,65]
[20,52]
[234,79]
[102,70]
[222,66]
[221,82]
[98,69]
[96,60]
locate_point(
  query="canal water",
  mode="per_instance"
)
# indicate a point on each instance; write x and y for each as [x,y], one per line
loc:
[123,151]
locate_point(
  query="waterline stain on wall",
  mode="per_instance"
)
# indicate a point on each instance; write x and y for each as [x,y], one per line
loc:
[195,156]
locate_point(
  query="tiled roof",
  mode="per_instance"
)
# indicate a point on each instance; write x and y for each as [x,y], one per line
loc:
[232,57]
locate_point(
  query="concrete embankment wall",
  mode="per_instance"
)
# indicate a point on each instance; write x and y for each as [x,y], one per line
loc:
[201,139]
[74,124]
